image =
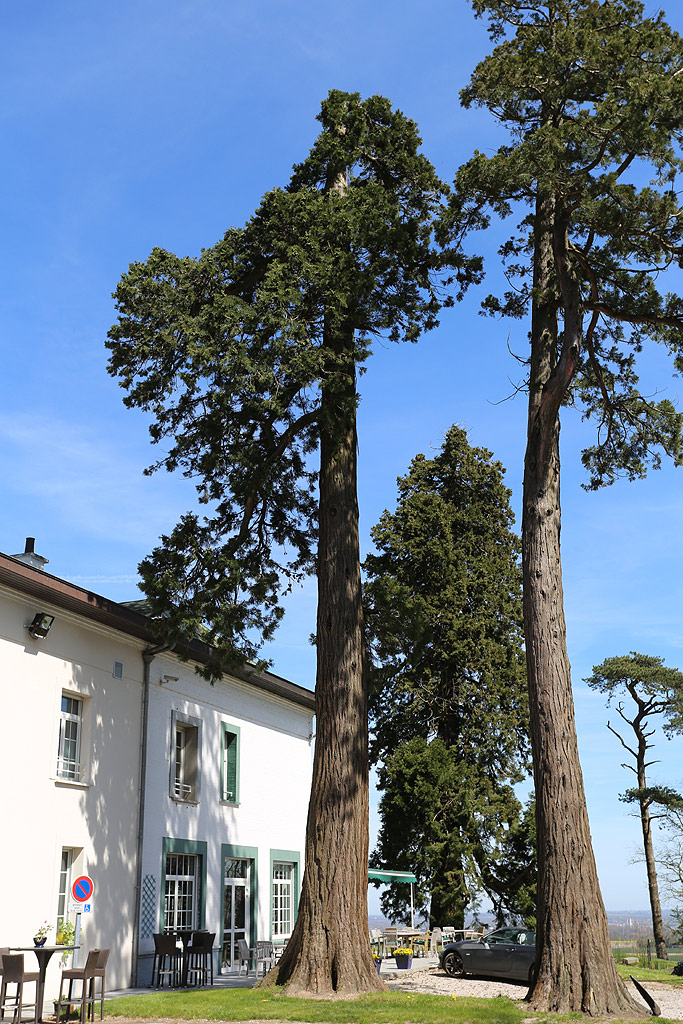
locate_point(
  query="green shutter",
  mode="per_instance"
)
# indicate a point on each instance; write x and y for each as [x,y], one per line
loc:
[230,764]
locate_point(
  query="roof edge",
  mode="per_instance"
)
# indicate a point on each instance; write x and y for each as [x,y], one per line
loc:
[42,586]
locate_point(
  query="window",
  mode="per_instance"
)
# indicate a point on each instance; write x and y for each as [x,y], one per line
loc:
[64,884]
[70,726]
[230,759]
[185,739]
[181,892]
[283,899]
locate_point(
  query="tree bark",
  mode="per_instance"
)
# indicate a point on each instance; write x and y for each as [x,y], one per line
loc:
[329,952]
[575,970]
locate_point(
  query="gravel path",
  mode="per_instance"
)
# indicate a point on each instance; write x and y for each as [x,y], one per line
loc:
[669,997]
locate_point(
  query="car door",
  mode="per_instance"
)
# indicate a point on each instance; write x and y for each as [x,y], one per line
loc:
[492,954]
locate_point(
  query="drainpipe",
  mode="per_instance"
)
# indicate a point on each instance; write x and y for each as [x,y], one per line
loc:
[148,656]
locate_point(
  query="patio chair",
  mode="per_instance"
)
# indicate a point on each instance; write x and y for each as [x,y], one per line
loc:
[100,972]
[265,954]
[200,958]
[86,975]
[166,963]
[244,956]
[13,973]
[435,941]
[390,941]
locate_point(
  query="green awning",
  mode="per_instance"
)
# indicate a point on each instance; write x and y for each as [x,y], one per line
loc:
[391,876]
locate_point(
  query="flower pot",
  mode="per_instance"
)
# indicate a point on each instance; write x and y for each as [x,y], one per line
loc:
[69,1011]
[378,964]
[39,941]
[403,961]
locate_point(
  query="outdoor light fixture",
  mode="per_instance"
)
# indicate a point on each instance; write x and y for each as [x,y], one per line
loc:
[40,626]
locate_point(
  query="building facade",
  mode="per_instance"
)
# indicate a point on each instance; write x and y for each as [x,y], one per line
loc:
[184,801]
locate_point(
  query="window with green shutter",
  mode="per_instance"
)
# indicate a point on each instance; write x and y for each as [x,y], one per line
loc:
[230,769]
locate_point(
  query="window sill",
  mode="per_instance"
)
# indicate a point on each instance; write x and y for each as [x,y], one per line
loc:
[183,800]
[229,803]
[70,783]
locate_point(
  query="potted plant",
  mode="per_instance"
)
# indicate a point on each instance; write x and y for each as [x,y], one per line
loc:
[403,958]
[69,1011]
[41,934]
[66,933]
[378,960]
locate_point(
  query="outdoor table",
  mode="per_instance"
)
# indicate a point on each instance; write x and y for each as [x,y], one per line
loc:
[43,953]
[183,939]
[409,934]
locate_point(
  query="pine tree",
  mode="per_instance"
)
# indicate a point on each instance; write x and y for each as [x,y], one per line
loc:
[655,690]
[591,96]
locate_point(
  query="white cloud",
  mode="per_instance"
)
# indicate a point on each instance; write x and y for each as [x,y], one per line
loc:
[88,481]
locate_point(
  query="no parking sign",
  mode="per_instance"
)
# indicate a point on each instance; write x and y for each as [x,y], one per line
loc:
[82,889]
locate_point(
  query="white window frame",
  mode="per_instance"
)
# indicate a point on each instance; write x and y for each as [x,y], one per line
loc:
[181,892]
[69,767]
[64,888]
[283,881]
[185,758]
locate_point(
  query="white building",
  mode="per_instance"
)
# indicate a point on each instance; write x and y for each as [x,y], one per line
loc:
[184,801]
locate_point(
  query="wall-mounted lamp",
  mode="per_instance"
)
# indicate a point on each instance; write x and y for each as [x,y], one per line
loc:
[40,626]
[169,679]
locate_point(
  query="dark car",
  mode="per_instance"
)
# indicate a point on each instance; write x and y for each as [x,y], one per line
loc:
[505,952]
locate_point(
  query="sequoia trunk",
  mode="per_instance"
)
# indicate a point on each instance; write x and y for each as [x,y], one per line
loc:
[575,970]
[329,951]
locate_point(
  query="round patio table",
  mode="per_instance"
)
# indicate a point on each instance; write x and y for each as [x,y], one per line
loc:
[43,953]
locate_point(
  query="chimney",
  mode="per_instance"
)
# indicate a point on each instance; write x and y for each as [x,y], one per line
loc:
[29,556]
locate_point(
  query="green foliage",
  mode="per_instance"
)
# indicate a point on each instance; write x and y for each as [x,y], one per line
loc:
[661,796]
[591,95]
[225,353]
[448,688]
[654,688]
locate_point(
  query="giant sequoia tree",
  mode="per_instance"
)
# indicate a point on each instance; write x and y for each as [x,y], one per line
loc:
[654,690]
[246,359]
[448,707]
[591,96]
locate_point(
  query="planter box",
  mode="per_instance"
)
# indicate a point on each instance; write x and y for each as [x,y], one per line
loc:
[403,961]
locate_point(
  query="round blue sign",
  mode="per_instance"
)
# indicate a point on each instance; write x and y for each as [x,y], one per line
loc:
[82,889]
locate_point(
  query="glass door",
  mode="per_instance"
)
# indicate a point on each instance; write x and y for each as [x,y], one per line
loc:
[235,910]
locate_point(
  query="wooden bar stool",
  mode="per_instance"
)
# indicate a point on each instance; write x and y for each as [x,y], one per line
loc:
[13,973]
[86,975]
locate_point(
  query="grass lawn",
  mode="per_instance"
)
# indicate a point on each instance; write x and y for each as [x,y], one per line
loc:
[381,1008]
[644,974]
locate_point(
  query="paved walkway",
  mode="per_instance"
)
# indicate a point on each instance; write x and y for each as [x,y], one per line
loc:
[388,969]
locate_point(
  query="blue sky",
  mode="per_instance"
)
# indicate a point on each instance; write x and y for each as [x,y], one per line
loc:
[147,123]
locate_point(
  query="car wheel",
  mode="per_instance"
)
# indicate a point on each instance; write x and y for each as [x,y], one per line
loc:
[453,965]
[532,975]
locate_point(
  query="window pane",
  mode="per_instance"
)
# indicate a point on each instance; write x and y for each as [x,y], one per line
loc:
[181,892]
[283,899]
[69,752]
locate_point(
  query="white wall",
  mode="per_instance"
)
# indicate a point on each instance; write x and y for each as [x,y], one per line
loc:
[274,773]
[43,814]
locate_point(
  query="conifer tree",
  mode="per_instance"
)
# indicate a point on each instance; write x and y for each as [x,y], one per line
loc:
[246,358]
[449,711]
[591,97]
